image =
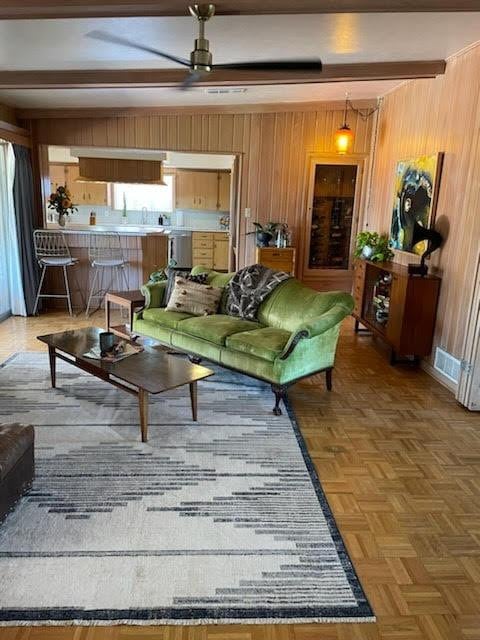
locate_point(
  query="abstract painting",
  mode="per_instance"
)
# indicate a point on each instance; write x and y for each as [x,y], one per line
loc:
[414,199]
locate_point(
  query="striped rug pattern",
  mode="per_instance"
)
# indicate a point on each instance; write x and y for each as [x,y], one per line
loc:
[223,520]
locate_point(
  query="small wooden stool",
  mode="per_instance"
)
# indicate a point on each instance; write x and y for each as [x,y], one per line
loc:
[130,300]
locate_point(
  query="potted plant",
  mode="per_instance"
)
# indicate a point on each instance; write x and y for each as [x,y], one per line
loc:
[264,233]
[61,201]
[373,246]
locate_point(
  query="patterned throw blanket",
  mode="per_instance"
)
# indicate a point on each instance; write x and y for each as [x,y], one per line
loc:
[248,289]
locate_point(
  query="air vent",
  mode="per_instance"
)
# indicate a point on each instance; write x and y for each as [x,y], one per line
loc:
[447,365]
[223,90]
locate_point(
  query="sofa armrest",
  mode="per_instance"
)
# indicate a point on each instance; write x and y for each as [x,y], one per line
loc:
[154,293]
[317,326]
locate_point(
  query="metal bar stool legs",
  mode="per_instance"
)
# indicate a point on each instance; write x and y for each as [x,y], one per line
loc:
[105,253]
[51,250]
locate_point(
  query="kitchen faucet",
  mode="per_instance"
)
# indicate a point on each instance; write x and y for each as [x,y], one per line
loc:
[144,215]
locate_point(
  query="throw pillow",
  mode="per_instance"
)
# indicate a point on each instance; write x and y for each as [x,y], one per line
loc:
[194,298]
[172,273]
[184,272]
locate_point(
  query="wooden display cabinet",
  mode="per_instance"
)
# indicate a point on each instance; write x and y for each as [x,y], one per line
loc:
[333,202]
[397,307]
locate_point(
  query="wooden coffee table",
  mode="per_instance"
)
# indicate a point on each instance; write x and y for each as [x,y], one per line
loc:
[150,371]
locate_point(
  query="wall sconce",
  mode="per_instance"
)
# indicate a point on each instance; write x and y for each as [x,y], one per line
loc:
[343,138]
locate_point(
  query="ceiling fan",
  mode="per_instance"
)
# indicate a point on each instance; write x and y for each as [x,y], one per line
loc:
[200,63]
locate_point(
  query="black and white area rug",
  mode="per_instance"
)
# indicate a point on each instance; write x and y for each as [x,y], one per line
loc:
[218,521]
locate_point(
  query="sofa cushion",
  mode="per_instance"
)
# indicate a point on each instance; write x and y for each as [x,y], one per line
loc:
[165,318]
[216,328]
[267,343]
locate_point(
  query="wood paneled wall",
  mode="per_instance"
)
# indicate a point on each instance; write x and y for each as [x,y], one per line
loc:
[7,114]
[273,147]
[423,117]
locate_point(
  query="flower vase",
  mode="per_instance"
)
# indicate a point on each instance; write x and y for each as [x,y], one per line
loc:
[62,218]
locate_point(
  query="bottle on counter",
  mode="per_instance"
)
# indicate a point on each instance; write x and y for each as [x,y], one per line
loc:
[160,220]
[93,218]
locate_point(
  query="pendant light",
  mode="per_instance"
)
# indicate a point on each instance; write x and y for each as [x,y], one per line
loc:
[343,135]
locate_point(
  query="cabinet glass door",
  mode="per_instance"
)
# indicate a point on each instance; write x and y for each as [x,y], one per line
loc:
[332,208]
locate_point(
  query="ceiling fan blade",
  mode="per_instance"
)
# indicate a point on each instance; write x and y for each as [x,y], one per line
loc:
[190,80]
[273,65]
[104,36]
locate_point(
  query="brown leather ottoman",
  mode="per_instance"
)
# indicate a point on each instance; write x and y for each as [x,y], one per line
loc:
[16,464]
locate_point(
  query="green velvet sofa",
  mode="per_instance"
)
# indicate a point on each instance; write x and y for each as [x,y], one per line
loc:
[295,334]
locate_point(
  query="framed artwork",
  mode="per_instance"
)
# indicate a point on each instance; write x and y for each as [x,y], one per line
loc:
[415,192]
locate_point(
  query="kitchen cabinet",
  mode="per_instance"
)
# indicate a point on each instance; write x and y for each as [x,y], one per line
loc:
[224,191]
[210,249]
[202,190]
[185,189]
[220,252]
[83,193]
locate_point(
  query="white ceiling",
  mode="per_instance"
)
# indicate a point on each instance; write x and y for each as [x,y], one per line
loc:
[336,38]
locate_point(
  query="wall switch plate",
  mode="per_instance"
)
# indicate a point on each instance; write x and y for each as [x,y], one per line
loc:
[248,212]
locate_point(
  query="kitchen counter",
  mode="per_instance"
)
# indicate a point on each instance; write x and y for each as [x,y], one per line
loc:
[125,229]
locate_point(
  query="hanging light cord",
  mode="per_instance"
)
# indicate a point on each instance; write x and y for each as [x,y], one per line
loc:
[363,113]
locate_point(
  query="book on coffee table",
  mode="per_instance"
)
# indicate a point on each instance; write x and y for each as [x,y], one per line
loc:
[128,350]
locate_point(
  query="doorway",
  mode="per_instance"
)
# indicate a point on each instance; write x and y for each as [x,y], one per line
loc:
[468,392]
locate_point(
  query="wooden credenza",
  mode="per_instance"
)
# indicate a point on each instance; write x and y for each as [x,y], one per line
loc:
[398,307]
[210,249]
[278,259]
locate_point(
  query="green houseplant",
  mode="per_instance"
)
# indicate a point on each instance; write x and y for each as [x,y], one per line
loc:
[264,232]
[373,246]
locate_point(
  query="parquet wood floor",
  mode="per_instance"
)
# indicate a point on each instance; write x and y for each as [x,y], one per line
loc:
[399,460]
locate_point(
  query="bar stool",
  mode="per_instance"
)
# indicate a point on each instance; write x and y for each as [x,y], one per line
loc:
[105,252]
[51,250]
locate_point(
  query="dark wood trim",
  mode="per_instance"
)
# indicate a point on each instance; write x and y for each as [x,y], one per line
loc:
[142,78]
[40,9]
[15,135]
[195,110]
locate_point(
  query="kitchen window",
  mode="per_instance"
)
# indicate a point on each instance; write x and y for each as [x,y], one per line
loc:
[154,197]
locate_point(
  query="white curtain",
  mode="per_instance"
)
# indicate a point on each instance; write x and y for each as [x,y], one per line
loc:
[11,287]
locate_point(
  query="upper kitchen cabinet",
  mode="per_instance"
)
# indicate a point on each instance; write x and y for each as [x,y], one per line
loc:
[83,193]
[224,178]
[202,190]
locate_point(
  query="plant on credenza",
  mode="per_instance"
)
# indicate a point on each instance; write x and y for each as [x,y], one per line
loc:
[61,201]
[264,232]
[373,246]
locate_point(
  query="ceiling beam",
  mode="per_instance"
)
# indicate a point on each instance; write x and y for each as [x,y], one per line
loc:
[141,78]
[37,9]
[32,113]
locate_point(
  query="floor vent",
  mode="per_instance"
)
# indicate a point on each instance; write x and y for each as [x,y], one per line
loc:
[447,365]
